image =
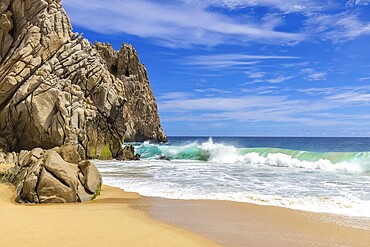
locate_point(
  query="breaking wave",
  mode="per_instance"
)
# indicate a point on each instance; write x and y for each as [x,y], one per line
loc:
[228,154]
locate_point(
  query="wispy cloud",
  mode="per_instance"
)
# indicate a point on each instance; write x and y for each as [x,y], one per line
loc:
[281,5]
[364,78]
[312,75]
[340,27]
[260,105]
[256,75]
[260,77]
[188,23]
[240,109]
[279,79]
[350,96]
[175,95]
[231,60]
[217,103]
[212,90]
[173,23]
[267,90]
[358,2]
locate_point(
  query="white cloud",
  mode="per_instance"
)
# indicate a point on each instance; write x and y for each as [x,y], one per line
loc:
[231,60]
[364,78]
[262,104]
[267,90]
[175,95]
[175,23]
[212,90]
[218,103]
[217,64]
[281,5]
[358,2]
[256,75]
[342,96]
[312,75]
[337,28]
[188,23]
[249,108]
[354,98]
[279,79]
[318,91]
[273,78]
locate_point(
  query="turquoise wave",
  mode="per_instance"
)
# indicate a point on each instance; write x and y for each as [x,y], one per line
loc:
[215,152]
[148,151]
[333,157]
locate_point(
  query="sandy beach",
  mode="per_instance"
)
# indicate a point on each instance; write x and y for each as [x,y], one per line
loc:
[119,218]
[107,221]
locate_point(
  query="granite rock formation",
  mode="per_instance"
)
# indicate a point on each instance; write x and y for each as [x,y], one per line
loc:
[43,176]
[57,88]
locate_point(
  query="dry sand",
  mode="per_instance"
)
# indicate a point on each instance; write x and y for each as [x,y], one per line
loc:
[107,221]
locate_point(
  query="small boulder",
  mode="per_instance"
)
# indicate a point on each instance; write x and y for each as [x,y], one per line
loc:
[91,178]
[128,153]
[164,158]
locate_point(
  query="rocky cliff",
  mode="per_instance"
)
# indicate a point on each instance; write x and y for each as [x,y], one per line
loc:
[57,88]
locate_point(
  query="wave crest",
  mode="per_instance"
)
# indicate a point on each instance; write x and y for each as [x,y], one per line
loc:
[227,154]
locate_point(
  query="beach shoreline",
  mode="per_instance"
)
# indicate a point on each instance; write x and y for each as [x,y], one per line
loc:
[119,217]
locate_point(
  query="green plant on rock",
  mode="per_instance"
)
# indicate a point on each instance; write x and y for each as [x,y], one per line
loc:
[91,152]
[106,153]
[122,141]
[97,192]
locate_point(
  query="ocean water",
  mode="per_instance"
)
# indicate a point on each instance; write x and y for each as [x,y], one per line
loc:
[330,175]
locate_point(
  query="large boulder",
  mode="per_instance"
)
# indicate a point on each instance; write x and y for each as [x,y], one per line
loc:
[57,88]
[43,176]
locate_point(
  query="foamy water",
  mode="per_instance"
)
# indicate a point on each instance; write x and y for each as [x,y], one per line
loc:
[332,182]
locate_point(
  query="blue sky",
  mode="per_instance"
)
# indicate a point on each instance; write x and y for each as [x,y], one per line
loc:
[245,67]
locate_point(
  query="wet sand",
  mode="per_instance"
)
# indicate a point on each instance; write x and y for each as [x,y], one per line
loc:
[242,224]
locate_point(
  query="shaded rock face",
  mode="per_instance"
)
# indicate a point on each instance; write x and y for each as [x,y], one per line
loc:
[43,176]
[56,88]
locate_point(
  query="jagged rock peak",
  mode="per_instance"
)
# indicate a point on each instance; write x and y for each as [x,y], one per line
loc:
[57,88]
[142,113]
